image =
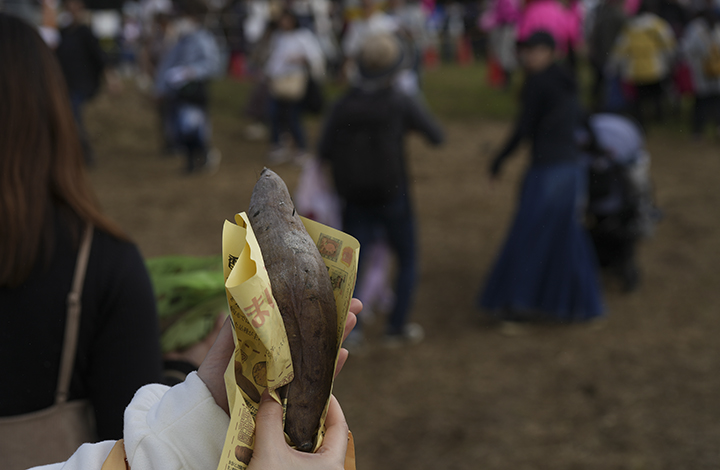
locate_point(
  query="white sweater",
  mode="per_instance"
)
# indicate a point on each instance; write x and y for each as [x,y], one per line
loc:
[289,49]
[165,428]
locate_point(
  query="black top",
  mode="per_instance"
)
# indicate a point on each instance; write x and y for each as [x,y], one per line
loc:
[607,25]
[364,141]
[81,58]
[549,116]
[118,347]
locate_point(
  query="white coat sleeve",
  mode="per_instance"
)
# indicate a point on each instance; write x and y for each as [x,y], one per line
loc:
[177,428]
[88,456]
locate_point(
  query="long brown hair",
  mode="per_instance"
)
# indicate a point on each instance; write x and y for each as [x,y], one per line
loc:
[41,159]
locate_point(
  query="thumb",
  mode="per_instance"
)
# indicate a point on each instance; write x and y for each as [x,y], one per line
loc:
[269,424]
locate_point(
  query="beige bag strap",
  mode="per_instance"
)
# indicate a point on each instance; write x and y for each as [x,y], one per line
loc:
[72,325]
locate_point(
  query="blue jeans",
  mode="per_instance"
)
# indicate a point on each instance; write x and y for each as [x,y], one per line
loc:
[287,115]
[396,223]
[187,127]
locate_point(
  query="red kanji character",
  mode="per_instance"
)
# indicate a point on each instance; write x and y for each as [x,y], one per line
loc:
[347,256]
[269,297]
[255,310]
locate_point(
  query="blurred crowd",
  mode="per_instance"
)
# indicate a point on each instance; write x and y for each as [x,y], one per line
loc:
[644,56]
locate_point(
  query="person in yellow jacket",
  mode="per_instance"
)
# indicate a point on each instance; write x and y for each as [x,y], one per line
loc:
[642,56]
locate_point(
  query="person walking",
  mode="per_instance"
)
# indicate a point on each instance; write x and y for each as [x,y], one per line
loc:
[181,82]
[499,21]
[83,63]
[608,20]
[701,49]
[642,56]
[295,58]
[546,269]
[363,141]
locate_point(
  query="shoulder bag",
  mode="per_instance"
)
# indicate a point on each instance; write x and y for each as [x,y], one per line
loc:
[289,87]
[54,434]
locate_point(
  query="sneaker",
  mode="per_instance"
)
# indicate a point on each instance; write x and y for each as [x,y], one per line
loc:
[412,333]
[212,162]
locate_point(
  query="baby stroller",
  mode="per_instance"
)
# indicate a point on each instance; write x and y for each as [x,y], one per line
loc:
[621,209]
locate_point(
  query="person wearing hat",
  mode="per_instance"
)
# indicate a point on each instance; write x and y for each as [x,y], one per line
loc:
[363,141]
[547,268]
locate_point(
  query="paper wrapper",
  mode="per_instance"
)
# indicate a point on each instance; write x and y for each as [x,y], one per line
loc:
[262,354]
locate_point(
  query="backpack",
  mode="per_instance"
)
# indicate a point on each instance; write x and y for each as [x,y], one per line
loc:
[642,47]
[364,146]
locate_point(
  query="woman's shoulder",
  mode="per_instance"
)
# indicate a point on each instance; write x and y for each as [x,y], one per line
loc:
[114,253]
[118,275]
[109,240]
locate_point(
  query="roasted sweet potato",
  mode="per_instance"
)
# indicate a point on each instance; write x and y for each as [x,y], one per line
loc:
[303,292]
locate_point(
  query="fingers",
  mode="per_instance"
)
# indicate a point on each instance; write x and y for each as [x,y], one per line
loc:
[342,357]
[349,324]
[355,308]
[268,424]
[224,346]
[212,369]
[336,431]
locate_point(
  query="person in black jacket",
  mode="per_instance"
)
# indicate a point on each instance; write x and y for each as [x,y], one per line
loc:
[364,143]
[547,267]
[46,202]
[608,20]
[83,62]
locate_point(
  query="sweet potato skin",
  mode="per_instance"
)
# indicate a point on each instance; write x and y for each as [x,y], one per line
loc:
[304,295]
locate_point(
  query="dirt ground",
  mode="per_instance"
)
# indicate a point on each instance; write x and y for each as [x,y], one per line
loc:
[638,391]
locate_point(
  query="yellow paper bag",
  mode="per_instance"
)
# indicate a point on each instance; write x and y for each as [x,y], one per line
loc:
[262,355]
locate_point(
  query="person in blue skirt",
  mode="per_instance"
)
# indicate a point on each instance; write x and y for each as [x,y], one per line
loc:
[547,268]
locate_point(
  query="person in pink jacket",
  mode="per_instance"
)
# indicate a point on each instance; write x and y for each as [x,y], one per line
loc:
[563,22]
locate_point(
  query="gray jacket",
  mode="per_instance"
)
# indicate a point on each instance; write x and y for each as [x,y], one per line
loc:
[197,53]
